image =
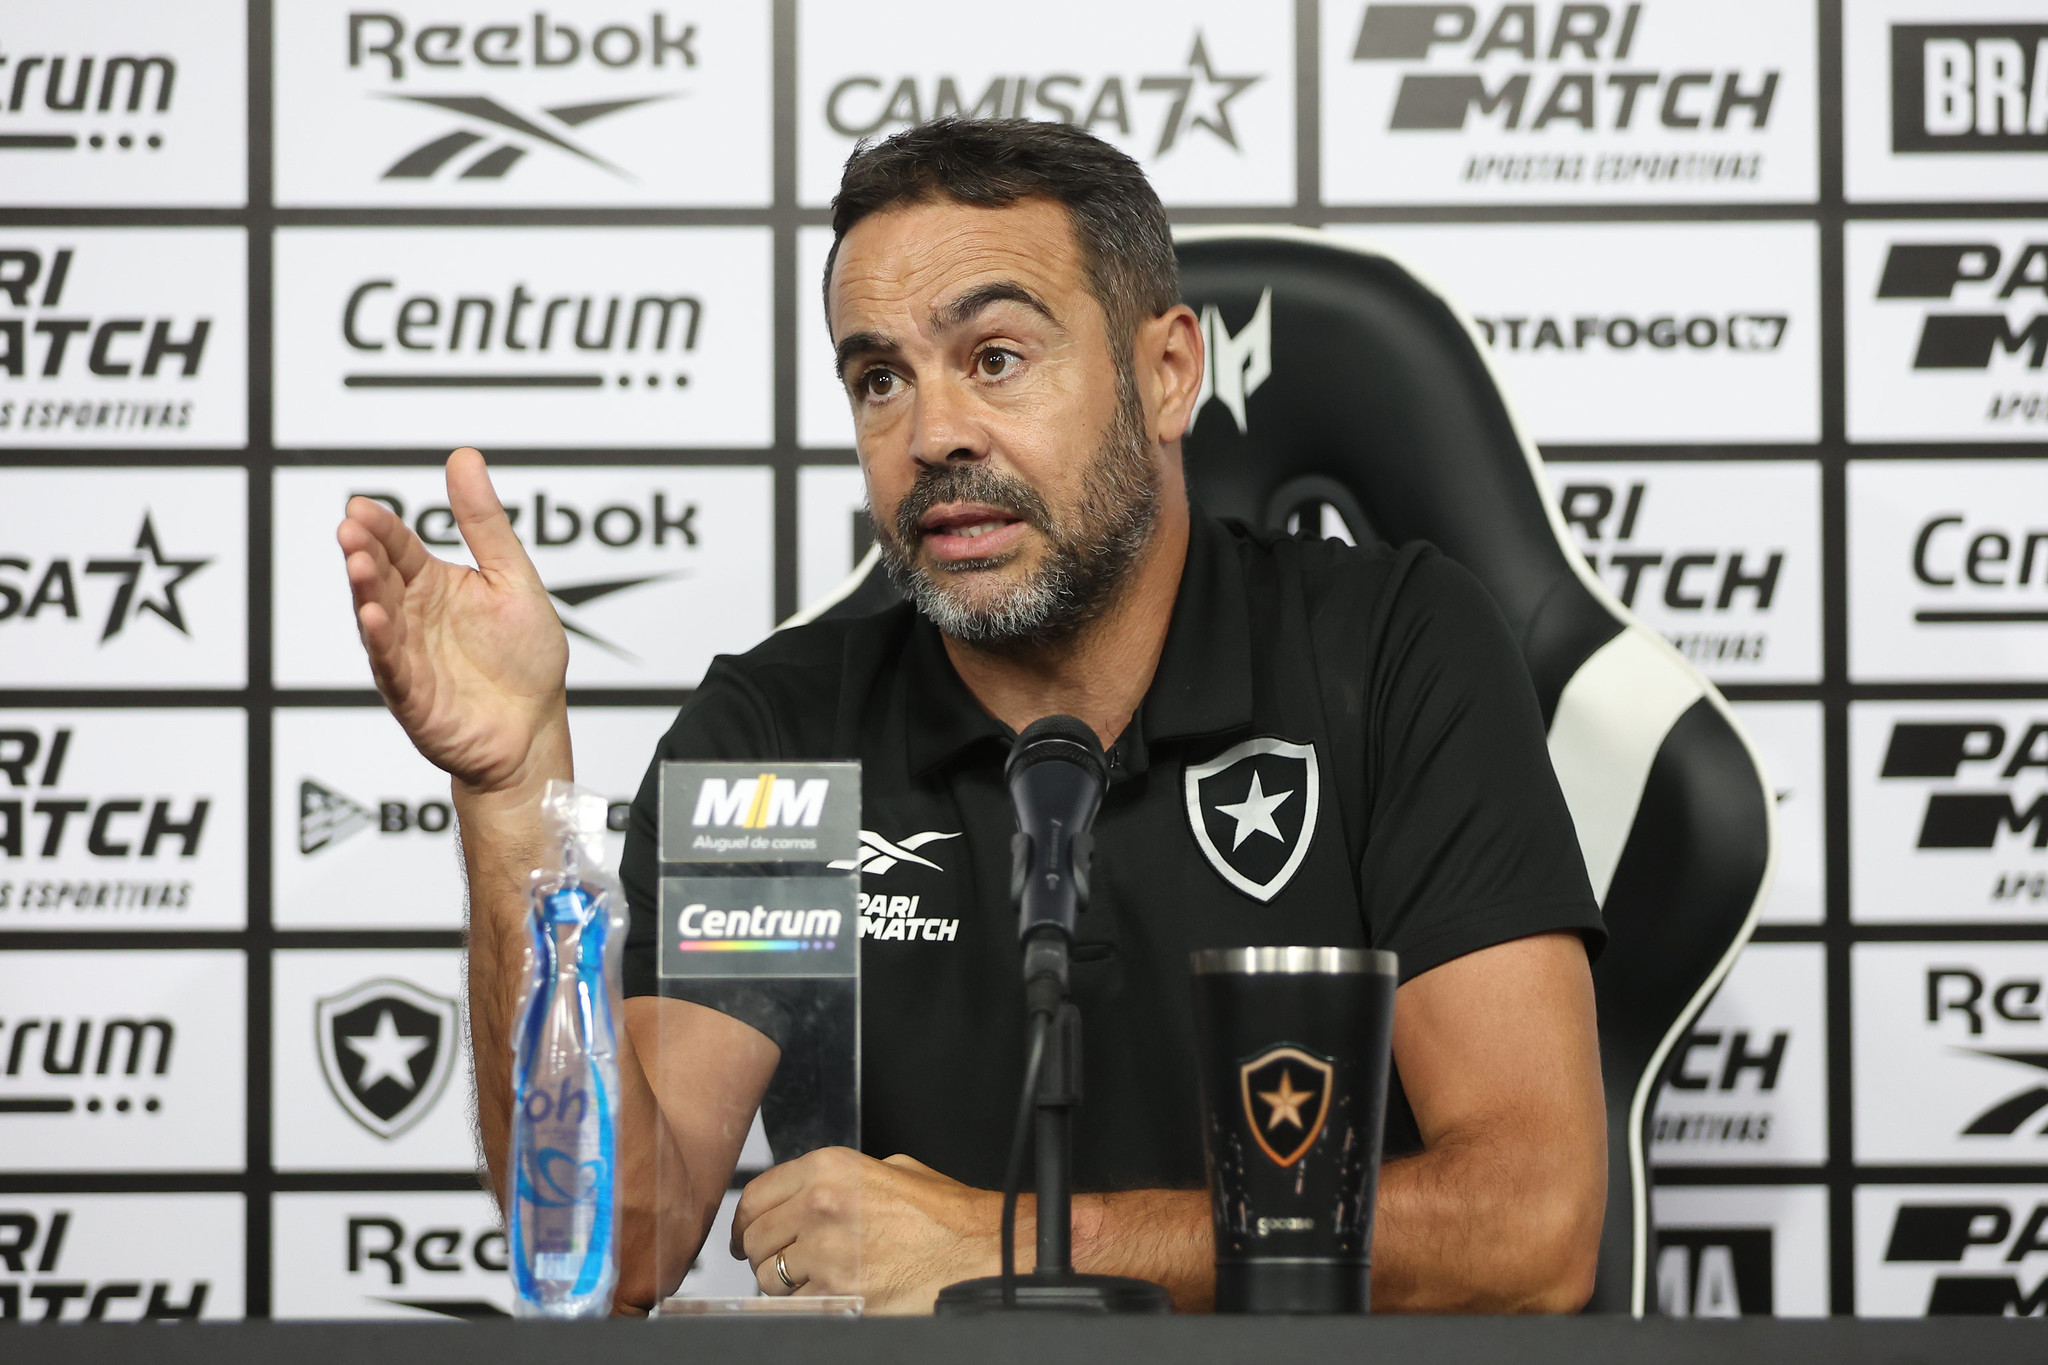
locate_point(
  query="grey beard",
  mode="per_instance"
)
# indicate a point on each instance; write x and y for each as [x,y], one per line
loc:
[1086,564]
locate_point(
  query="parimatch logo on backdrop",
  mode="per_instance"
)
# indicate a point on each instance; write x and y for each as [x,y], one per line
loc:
[1944,100]
[1200,93]
[122,819]
[1951,1250]
[1637,333]
[577,337]
[1950,811]
[1748,1084]
[1722,558]
[122,578]
[120,1257]
[1951,1052]
[1948,569]
[653,571]
[124,102]
[1567,103]
[121,336]
[482,102]
[1948,331]
[122,1060]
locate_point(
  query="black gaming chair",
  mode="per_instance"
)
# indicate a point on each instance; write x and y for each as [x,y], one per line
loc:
[1339,386]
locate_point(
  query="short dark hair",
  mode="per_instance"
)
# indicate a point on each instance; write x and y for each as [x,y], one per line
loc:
[1126,245]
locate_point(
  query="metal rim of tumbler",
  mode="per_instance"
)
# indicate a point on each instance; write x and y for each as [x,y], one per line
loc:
[1294,962]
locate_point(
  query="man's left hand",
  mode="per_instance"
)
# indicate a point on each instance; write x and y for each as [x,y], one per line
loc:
[895,1231]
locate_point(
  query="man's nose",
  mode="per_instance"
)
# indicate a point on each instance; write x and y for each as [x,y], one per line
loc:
[944,427]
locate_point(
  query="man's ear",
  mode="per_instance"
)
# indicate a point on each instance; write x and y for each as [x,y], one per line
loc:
[1169,356]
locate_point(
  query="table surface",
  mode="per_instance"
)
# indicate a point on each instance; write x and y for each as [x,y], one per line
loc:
[1042,1340]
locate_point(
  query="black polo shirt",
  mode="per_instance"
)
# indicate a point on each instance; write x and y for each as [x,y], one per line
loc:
[1341,746]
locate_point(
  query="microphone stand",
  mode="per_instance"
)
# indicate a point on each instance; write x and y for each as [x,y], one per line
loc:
[1047,929]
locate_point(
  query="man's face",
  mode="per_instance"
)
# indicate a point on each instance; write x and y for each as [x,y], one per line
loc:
[1008,468]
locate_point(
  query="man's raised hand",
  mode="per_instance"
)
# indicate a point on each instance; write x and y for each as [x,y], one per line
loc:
[472,662]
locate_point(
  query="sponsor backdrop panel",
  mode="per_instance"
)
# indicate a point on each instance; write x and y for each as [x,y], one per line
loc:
[363,828]
[122,337]
[1947,330]
[1948,570]
[123,1060]
[652,569]
[1949,807]
[1949,1053]
[123,578]
[522,336]
[1654,102]
[552,232]
[123,102]
[1938,1250]
[370,1061]
[1652,333]
[1739,1251]
[425,1255]
[121,1257]
[481,102]
[1748,1085]
[1789,739]
[1745,610]
[833,529]
[1944,99]
[1200,92]
[121,820]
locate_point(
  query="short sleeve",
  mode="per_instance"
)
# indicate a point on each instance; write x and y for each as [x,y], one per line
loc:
[727,719]
[1469,842]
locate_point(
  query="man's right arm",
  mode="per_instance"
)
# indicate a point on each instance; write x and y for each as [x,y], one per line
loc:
[473,664]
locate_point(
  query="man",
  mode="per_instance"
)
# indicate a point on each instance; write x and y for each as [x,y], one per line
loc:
[1004,308]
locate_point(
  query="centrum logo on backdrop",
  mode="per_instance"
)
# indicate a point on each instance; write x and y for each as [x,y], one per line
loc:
[107,591]
[403,337]
[1158,108]
[472,134]
[99,104]
[1969,88]
[551,523]
[1511,68]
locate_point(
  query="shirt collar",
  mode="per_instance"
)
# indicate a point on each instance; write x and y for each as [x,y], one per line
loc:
[1203,684]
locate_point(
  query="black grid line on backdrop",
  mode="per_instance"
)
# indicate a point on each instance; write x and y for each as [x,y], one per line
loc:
[260,701]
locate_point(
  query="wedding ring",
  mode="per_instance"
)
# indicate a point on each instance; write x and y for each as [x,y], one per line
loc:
[782,1273]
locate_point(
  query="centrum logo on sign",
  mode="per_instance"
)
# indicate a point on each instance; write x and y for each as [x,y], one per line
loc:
[702,929]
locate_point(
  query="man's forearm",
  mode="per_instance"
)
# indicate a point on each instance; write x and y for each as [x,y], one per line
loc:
[1455,1231]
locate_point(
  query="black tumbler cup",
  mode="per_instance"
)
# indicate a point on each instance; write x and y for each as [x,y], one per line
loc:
[1295,1046]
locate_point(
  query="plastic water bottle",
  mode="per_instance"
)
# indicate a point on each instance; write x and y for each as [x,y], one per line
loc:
[562,1223]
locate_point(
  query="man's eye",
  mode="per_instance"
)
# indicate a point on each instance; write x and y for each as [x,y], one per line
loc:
[878,383]
[994,364]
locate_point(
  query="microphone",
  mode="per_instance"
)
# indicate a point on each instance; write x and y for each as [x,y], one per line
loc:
[1056,774]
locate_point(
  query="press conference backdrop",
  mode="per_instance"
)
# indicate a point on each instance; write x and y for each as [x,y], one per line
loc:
[1768,281]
